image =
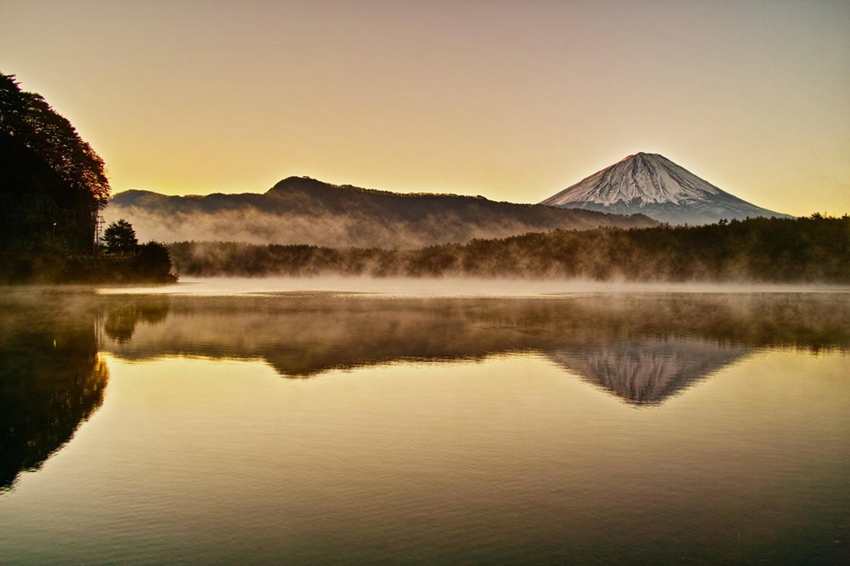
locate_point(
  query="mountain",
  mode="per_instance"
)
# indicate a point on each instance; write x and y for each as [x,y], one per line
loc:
[650,371]
[300,210]
[651,184]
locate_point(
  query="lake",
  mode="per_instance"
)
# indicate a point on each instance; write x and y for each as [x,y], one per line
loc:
[442,422]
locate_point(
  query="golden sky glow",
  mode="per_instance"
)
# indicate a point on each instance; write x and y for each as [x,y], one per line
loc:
[511,100]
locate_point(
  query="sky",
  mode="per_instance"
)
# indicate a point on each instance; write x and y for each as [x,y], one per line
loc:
[513,100]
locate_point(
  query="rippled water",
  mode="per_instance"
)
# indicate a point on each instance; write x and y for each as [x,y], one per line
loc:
[238,423]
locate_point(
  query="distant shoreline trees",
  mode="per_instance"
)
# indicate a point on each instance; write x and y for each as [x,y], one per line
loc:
[815,249]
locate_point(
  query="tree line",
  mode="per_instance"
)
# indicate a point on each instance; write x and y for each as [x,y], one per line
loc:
[802,250]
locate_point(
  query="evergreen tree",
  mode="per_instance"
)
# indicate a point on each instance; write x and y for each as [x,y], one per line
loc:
[120,238]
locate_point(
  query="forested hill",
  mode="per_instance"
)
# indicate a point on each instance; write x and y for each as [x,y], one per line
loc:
[803,250]
[301,210]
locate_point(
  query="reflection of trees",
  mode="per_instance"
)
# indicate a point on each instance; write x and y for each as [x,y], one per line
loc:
[640,347]
[51,380]
[122,318]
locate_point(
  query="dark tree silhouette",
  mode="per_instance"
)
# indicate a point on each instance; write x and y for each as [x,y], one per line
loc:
[814,249]
[153,262]
[52,186]
[120,238]
[52,183]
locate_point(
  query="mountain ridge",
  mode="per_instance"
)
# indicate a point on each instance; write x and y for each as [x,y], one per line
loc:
[301,210]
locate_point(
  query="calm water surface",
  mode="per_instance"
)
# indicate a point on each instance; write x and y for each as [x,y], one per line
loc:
[259,422]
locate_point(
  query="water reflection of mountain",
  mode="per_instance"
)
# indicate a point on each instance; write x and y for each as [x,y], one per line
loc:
[51,380]
[642,348]
[649,371]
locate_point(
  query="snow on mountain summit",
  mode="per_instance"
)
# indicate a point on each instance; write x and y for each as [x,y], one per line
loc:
[648,177]
[651,184]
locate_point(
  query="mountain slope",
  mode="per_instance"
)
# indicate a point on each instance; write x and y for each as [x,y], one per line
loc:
[306,211]
[651,184]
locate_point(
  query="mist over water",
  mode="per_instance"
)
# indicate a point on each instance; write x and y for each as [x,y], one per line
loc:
[450,287]
[428,421]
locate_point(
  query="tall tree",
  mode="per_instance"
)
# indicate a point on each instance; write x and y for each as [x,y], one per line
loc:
[52,183]
[120,237]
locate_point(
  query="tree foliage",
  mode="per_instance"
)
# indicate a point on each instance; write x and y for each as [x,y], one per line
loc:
[52,183]
[153,263]
[120,237]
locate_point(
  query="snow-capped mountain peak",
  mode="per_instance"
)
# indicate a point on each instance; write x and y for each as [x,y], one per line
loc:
[651,184]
